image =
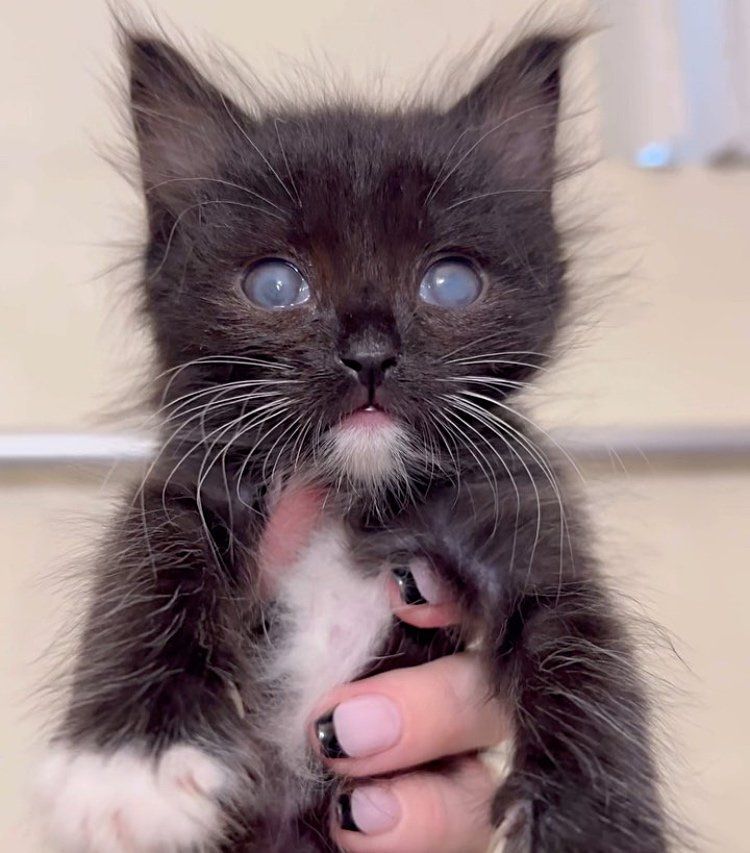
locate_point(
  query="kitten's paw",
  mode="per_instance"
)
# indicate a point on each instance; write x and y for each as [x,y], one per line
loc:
[130,802]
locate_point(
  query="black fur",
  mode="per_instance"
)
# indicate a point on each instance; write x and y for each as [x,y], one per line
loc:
[361,200]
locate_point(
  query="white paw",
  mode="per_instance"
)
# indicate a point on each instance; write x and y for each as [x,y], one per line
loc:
[130,802]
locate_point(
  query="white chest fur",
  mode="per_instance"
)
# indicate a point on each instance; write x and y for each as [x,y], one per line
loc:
[333,619]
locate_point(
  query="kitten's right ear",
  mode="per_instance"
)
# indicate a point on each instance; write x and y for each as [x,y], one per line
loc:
[183,123]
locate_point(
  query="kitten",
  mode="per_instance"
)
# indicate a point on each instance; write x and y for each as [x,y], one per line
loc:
[344,300]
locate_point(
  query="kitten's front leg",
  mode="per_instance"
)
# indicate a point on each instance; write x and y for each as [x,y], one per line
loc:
[147,757]
[583,776]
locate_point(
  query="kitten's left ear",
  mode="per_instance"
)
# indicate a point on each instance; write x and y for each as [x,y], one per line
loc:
[515,106]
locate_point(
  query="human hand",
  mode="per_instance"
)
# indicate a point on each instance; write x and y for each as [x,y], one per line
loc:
[391,724]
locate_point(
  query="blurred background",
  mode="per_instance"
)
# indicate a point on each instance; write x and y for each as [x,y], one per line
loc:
[651,395]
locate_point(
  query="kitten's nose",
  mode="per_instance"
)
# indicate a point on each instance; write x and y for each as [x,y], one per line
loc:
[370,366]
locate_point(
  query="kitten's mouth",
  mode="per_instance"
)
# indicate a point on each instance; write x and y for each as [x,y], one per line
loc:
[367,417]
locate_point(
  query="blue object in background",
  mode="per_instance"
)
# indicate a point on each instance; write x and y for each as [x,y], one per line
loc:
[656,155]
[675,81]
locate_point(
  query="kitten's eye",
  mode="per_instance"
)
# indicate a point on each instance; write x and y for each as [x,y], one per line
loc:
[451,283]
[275,284]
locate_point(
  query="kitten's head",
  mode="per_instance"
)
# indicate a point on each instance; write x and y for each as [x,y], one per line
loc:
[341,287]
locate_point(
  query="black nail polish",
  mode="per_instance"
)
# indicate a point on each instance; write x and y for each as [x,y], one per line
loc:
[326,734]
[344,813]
[407,586]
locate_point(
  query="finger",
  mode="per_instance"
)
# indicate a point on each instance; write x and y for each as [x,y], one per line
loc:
[406,717]
[421,812]
[419,597]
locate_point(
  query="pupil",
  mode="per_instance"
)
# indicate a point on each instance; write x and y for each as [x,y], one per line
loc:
[453,285]
[278,291]
[275,284]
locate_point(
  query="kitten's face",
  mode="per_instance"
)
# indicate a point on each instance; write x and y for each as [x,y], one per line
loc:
[373,280]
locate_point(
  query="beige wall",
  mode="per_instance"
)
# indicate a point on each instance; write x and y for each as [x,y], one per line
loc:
[672,336]
[670,346]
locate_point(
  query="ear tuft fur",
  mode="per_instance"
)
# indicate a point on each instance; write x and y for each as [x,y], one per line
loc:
[159,71]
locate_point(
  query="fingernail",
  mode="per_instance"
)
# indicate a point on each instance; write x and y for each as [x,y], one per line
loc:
[418,583]
[358,727]
[326,734]
[370,810]
[407,586]
[344,813]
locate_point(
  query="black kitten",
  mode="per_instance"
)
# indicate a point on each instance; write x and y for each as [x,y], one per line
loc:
[343,301]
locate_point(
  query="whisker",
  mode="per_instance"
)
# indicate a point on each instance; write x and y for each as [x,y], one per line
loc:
[491,195]
[486,380]
[218,386]
[535,426]
[249,457]
[225,359]
[200,205]
[475,342]
[256,389]
[289,435]
[206,466]
[273,447]
[436,189]
[255,146]
[458,403]
[214,405]
[299,445]
[224,183]
[542,460]
[471,411]
[435,420]
[273,405]
[480,360]
[456,143]
[486,469]
[286,161]
[501,354]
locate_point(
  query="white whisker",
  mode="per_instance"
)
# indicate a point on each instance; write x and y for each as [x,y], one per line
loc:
[196,206]
[436,189]
[480,196]
[224,183]
[255,147]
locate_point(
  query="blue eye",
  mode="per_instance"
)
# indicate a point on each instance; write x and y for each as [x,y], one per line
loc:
[274,285]
[451,283]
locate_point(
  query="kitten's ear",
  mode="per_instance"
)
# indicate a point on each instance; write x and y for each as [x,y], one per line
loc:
[515,107]
[183,123]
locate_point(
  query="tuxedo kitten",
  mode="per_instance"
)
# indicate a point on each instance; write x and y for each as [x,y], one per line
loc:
[344,302]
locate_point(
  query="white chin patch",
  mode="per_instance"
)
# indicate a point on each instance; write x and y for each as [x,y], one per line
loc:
[370,455]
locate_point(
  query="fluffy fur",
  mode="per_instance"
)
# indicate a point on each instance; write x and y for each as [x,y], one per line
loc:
[100,802]
[183,648]
[332,621]
[369,459]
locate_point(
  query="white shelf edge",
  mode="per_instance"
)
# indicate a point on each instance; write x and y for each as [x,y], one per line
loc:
[594,443]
